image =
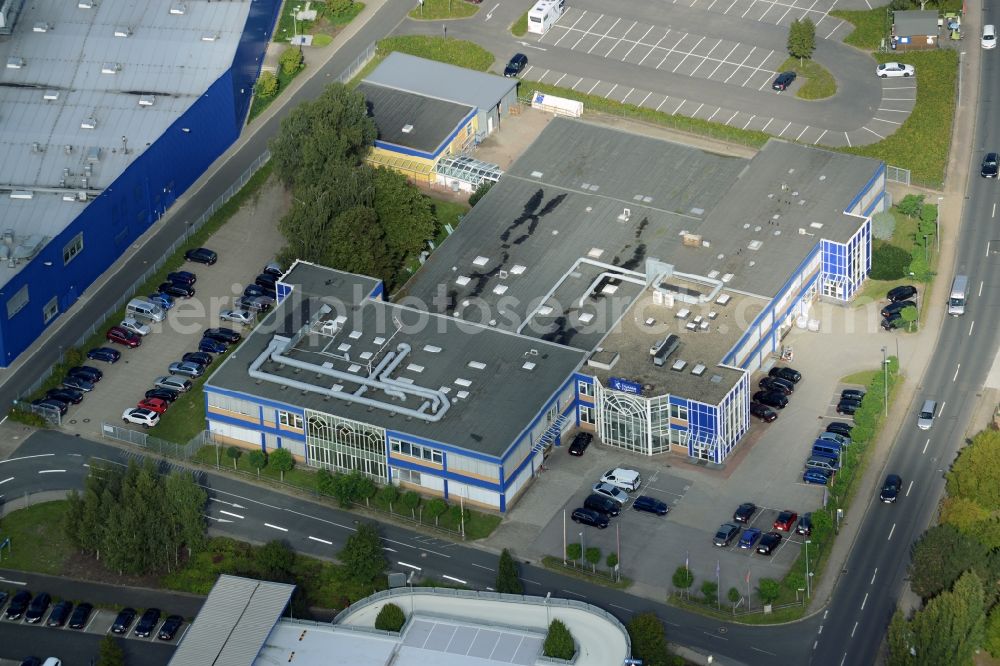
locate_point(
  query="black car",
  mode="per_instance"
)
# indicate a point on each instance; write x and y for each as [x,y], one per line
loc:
[204,359]
[783,81]
[201,255]
[267,282]
[31,661]
[847,406]
[580,443]
[162,393]
[602,504]
[144,627]
[771,399]
[177,290]
[51,404]
[186,278]
[60,613]
[123,620]
[840,428]
[227,335]
[852,394]
[989,168]
[901,293]
[775,384]
[516,64]
[744,512]
[893,322]
[77,383]
[18,605]
[37,607]
[650,505]
[805,524]
[86,372]
[273,269]
[763,412]
[255,303]
[105,354]
[890,489]
[78,620]
[725,534]
[590,517]
[788,374]
[170,627]
[768,543]
[897,307]
[69,395]
[254,290]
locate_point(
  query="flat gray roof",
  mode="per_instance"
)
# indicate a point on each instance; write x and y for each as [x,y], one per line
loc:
[164,55]
[496,382]
[430,78]
[410,120]
[232,626]
[914,22]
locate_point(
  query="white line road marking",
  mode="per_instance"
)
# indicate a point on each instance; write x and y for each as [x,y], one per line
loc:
[739,66]
[802,132]
[709,633]
[40,455]
[391,550]
[234,515]
[599,39]
[865,600]
[457,580]
[50,471]
[655,46]
[695,114]
[941,411]
[409,566]
[925,446]
[570,29]
[820,137]
[586,32]
[956,372]
[908,488]
[323,520]
[735,113]
[782,132]
[276,527]
[643,102]
[846,136]
[11,582]
[627,610]
[324,541]
[873,132]
[854,629]
[480,566]
[749,121]
[533,582]
[636,43]
[574,593]
[4,419]
[764,651]
[622,39]
[594,86]
[218,520]
[980,283]
[891,530]
[713,114]
[683,101]
[232,504]
[6,480]
[613,88]
[434,552]
[490,589]
[820,632]
[270,506]
[993,214]
[971,326]
[875,573]
[844,658]
[724,60]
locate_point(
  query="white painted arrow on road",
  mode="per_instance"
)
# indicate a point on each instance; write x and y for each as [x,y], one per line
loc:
[218,520]
[232,504]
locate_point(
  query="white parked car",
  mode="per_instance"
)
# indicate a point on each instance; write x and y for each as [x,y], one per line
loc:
[626,479]
[134,325]
[238,316]
[989,36]
[608,490]
[147,418]
[894,69]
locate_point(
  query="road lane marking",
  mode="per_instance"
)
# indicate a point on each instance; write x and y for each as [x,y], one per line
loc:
[322,520]
[925,446]
[972,326]
[709,633]
[844,658]
[6,480]
[40,455]
[276,527]
[764,651]
[457,580]
[872,582]
[854,629]
[229,513]
[411,566]
[956,372]
[993,214]
[820,632]
[627,610]
[270,506]
[574,593]
[391,550]
[50,471]
[232,504]
[941,411]
[865,600]
[480,566]
[324,541]
[908,488]
[218,520]
[980,282]
[893,529]
[434,552]
[12,582]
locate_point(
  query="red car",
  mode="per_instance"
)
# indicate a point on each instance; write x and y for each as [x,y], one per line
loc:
[123,337]
[158,405]
[786,521]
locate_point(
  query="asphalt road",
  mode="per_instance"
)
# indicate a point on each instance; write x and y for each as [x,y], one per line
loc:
[865,599]
[73,648]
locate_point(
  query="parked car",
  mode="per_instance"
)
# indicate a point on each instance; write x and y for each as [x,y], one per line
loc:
[212,346]
[274,269]
[267,282]
[893,322]
[847,406]
[136,326]
[201,358]
[255,290]
[650,505]
[782,81]
[897,307]
[608,490]
[201,255]
[31,661]
[158,405]
[123,620]
[260,303]
[602,504]
[169,395]
[805,524]
[78,620]
[165,301]
[37,608]
[590,517]
[147,623]
[890,489]
[840,428]
[227,335]
[749,537]
[580,443]
[147,418]
[817,476]
[725,534]
[903,292]
[989,38]
[105,354]
[888,69]
[52,404]
[243,317]
[771,399]
[175,290]
[516,65]
[784,372]
[67,395]
[78,383]
[763,412]
[178,384]
[170,627]
[786,521]
[60,613]
[744,512]
[843,440]
[3,597]
[989,168]
[18,605]
[185,369]
[186,278]
[120,336]
[769,543]
[852,394]
[91,374]
[776,385]
[626,479]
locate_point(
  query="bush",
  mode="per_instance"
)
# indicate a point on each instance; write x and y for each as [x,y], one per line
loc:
[649,641]
[508,581]
[480,192]
[436,508]
[390,618]
[290,60]
[889,262]
[559,642]
[883,225]
[683,578]
[337,7]
[267,85]
[710,590]
[574,551]
[912,205]
[768,590]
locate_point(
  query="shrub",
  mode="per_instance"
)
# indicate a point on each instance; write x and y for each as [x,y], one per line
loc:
[574,551]
[992,642]
[267,85]
[912,205]
[710,590]
[768,590]
[508,581]
[480,192]
[436,508]
[683,578]
[390,618]
[559,642]
[337,7]
[649,641]
[883,225]
[889,262]
[290,60]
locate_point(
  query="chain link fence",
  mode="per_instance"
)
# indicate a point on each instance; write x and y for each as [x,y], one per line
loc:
[150,444]
[359,63]
[897,175]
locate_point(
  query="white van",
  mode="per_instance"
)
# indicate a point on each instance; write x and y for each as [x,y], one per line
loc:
[959,292]
[925,419]
[140,307]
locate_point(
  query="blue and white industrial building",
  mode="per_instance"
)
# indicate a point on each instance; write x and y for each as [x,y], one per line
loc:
[109,111]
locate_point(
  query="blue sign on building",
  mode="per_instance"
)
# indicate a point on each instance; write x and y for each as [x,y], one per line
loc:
[624,386]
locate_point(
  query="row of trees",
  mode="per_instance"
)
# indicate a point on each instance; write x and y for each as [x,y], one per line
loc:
[955,568]
[136,520]
[354,487]
[279,459]
[268,83]
[592,555]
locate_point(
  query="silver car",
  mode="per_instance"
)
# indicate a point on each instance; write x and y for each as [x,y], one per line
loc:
[608,490]
[173,383]
[843,440]
[186,369]
[237,316]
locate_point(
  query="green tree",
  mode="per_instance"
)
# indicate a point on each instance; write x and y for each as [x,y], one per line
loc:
[593,556]
[362,555]
[975,474]
[110,652]
[939,557]
[508,580]
[480,192]
[950,626]
[574,552]
[390,618]
[436,508]
[912,205]
[992,633]
[734,596]
[682,579]
[267,85]
[404,214]
[234,453]
[185,501]
[883,225]
[290,60]
[801,39]
[649,641]
[962,513]
[889,262]
[710,590]
[275,561]
[900,641]
[410,501]
[389,495]
[281,460]
[612,560]
[258,460]
[768,590]
[559,642]
[909,315]
[361,487]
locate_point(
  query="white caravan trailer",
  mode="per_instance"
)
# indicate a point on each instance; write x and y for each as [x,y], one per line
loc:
[544,15]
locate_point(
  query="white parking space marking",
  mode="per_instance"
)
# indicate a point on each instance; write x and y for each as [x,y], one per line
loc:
[617,21]
[571,28]
[629,52]
[234,515]
[621,39]
[40,455]
[409,566]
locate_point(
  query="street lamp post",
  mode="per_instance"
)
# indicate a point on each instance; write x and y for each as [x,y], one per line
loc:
[885,381]
[808,588]
[583,548]
[926,258]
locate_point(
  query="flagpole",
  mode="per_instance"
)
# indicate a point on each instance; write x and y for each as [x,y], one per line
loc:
[748,588]
[718,589]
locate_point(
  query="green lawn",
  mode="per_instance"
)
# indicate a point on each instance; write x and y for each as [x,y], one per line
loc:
[452,51]
[870,26]
[818,82]
[435,10]
[520,26]
[38,541]
[905,237]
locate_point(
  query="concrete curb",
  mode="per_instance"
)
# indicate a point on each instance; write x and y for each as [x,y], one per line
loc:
[24,501]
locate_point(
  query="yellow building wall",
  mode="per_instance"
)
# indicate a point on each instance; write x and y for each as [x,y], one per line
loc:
[418,169]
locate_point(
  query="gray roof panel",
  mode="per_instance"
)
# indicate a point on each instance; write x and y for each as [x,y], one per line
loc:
[412,121]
